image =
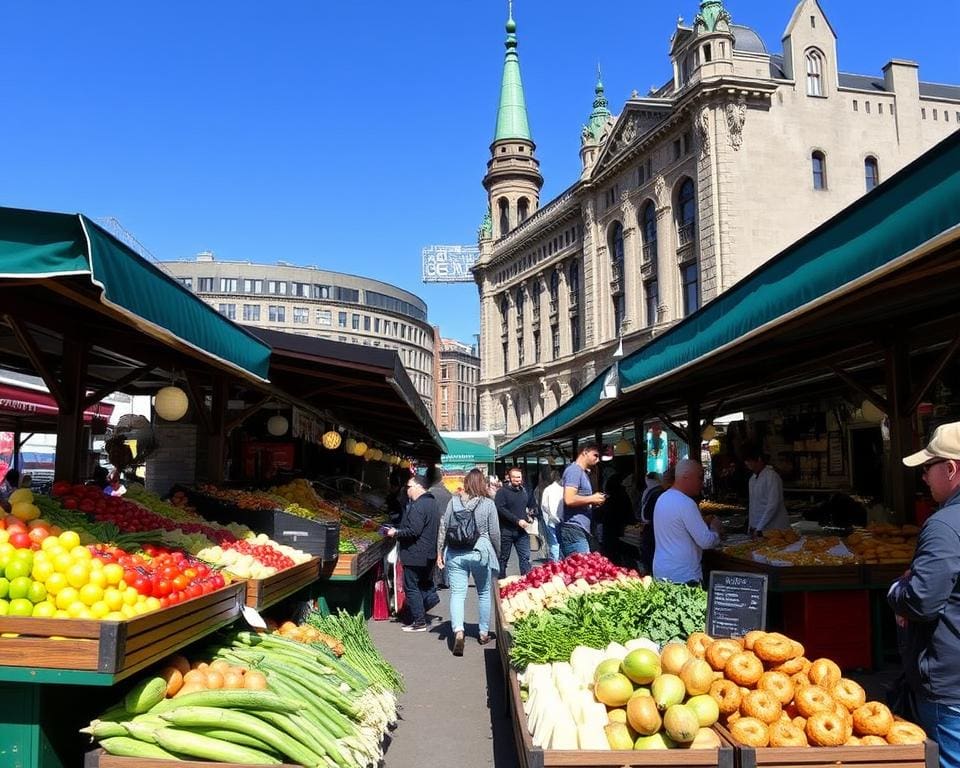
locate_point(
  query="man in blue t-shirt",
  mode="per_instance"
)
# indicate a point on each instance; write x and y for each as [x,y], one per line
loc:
[576,508]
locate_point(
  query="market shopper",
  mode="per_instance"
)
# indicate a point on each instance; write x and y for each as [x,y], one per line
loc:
[397,493]
[579,500]
[616,514]
[417,536]
[513,504]
[11,482]
[681,535]
[481,561]
[648,544]
[435,485]
[551,494]
[926,599]
[766,510]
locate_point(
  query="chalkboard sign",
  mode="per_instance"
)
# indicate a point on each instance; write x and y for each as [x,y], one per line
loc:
[736,603]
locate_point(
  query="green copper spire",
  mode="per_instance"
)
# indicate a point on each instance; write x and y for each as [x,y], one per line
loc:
[485,230]
[512,112]
[711,11]
[593,130]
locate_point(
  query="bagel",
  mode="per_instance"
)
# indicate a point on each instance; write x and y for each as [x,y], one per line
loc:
[872,719]
[826,729]
[853,741]
[719,651]
[906,733]
[751,732]
[762,706]
[825,673]
[697,643]
[799,680]
[798,649]
[799,722]
[787,735]
[727,695]
[779,685]
[844,714]
[751,637]
[849,693]
[812,699]
[774,648]
[743,668]
[791,666]
[733,717]
[873,741]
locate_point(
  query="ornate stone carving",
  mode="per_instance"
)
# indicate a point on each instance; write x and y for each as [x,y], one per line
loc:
[736,117]
[588,218]
[629,132]
[702,125]
[659,185]
[586,135]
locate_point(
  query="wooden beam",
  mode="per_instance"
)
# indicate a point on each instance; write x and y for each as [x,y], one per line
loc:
[197,401]
[70,417]
[936,369]
[29,346]
[216,444]
[882,403]
[95,397]
[245,414]
[675,428]
[902,480]
[319,373]
[694,430]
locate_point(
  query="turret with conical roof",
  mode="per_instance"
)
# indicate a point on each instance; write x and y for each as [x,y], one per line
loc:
[513,179]
[596,126]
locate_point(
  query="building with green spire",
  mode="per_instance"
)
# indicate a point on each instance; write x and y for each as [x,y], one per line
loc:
[738,153]
[513,179]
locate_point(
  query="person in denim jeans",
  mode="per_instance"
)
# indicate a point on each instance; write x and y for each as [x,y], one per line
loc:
[482,561]
[926,599]
[576,507]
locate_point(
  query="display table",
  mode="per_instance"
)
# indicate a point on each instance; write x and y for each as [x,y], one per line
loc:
[262,593]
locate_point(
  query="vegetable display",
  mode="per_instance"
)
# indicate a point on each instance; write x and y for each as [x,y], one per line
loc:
[658,610]
[359,650]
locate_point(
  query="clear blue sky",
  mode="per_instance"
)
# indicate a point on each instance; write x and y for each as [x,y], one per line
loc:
[343,134]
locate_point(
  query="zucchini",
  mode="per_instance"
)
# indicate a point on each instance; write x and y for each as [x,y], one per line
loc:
[124,746]
[197,745]
[145,695]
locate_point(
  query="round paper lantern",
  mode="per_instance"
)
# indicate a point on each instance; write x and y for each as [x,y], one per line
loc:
[350,446]
[714,447]
[368,454]
[709,432]
[360,449]
[277,425]
[623,447]
[405,464]
[331,440]
[171,403]
[377,454]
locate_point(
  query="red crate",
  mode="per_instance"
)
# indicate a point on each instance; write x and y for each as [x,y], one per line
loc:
[833,624]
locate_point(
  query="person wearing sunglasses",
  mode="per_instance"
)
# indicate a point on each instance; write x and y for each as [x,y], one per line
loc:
[926,599]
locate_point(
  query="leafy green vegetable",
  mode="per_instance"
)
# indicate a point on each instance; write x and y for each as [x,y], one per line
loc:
[661,612]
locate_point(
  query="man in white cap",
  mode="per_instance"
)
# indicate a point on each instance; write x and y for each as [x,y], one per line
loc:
[927,598]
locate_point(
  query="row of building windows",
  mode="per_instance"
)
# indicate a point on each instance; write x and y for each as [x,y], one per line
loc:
[469,374]
[818,167]
[563,240]
[867,107]
[306,291]
[935,113]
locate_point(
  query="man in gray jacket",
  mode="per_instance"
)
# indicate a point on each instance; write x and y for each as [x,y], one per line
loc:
[927,599]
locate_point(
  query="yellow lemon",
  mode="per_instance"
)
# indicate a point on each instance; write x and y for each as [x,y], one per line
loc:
[130,597]
[55,582]
[98,578]
[90,594]
[113,597]
[42,570]
[115,616]
[49,543]
[78,574]
[45,609]
[113,573]
[140,608]
[127,611]
[99,609]
[66,597]
[69,539]
[96,564]
[62,561]
[153,603]
[81,553]
[76,608]
[61,614]
[5,536]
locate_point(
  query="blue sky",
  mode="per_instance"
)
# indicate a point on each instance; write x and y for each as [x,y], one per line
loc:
[343,134]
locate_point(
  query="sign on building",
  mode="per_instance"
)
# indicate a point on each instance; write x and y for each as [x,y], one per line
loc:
[449,263]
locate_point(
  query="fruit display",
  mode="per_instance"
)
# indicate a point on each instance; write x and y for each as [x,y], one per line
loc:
[305,633]
[256,700]
[549,585]
[305,501]
[628,608]
[769,694]
[249,500]
[358,648]
[884,543]
[708,507]
[622,697]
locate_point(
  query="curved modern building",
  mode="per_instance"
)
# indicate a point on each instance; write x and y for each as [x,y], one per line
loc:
[317,302]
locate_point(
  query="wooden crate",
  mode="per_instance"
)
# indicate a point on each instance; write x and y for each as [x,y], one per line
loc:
[117,647]
[262,593]
[535,757]
[97,758]
[882,575]
[893,755]
[356,565]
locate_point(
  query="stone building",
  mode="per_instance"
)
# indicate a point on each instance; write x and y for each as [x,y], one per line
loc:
[457,387]
[317,302]
[686,191]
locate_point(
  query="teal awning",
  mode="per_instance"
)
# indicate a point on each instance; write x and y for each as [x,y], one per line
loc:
[875,234]
[464,453]
[37,244]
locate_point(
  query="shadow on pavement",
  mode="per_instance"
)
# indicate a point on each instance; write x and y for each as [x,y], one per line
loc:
[501,726]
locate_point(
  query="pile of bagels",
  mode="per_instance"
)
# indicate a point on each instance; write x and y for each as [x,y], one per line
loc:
[771,695]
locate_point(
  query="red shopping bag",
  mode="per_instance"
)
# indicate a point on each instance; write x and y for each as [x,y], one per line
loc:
[381,597]
[399,595]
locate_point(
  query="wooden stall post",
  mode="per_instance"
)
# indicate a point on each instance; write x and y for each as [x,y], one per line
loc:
[693,429]
[217,431]
[902,480]
[70,416]
[639,451]
[598,439]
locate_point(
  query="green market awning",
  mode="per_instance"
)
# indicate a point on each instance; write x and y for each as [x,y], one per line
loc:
[464,454]
[55,246]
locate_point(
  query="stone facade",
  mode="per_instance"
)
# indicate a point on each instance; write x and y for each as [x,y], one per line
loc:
[688,190]
[457,387]
[316,302]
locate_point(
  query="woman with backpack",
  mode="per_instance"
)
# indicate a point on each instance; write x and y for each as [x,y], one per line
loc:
[468,543]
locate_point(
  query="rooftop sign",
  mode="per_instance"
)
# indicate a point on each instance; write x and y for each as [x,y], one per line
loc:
[448,263]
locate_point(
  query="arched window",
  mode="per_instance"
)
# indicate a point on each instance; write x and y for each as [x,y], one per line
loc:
[554,285]
[504,310]
[686,213]
[814,72]
[616,245]
[871,172]
[818,164]
[535,292]
[504,206]
[520,301]
[523,210]
[648,228]
[690,287]
[573,277]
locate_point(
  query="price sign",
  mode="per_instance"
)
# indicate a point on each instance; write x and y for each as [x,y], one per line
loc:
[736,603]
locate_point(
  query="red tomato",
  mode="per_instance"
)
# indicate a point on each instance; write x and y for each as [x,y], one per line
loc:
[194,590]
[20,540]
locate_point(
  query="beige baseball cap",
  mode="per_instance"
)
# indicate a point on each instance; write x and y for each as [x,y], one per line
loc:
[945,444]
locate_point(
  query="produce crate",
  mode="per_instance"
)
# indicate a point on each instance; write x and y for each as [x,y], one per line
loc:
[117,647]
[882,575]
[97,758]
[355,565]
[262,593]
[320,538]
[894,755]
[833,624]
[535,757]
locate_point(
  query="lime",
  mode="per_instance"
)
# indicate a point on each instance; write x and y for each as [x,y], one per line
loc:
[17,568]
[4,586]
[37,592]
[20,607]
[4,607]
[20,587]
[45,609]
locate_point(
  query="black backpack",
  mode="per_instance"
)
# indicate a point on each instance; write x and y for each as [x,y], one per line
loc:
[462,532]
